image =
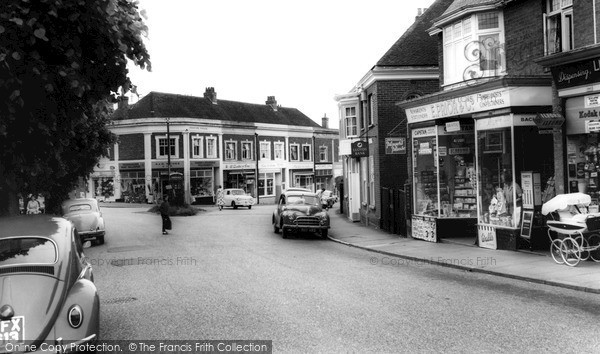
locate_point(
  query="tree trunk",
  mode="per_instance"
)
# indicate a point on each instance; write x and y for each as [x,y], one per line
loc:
[9,202]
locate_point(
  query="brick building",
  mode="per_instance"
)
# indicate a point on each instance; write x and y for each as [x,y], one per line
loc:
[190,145]
[374,180]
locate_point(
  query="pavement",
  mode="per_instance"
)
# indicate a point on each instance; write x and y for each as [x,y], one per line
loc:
[521,265]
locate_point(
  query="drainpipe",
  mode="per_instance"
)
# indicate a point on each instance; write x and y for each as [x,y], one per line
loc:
[257,151]
[314,164]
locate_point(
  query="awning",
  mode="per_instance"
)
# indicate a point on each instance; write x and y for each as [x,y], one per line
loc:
[549,120]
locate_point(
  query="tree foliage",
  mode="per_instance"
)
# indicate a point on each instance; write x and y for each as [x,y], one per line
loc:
[62,63]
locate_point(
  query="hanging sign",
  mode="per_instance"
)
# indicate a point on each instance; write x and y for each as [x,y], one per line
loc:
[359,148]
[395,146]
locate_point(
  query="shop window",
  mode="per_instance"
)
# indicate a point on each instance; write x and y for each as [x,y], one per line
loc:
[266,184]
[163,147]
[303,181]
[498,189]
[323,154]
[456,152]
[197,147]
[211,147]
[306,153]
[425,174]
[474,48]
[278,150]
[246,150]
[201,184]
[231,150]
[350,121]
[294,152]
[558,26]
[265,150]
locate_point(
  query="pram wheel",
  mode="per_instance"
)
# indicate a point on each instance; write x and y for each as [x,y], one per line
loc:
[555,251]
[594,247]
[583,247]
[570,252]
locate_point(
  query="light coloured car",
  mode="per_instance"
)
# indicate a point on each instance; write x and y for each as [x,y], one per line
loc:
[236,197]
[85,214]
[300,211]
[48,293]
[328,199]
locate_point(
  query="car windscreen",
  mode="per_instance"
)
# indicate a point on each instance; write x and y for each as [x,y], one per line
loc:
[302,199]
[27,250]
[238,192]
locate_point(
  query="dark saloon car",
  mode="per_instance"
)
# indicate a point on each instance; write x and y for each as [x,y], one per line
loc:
[85,214]
[300,211]
[48,296]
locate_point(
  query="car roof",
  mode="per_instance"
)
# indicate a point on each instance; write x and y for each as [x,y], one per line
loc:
[44,225]
[299,192]
[80,201]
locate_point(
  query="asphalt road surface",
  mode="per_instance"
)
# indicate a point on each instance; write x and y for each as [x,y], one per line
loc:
[226,275]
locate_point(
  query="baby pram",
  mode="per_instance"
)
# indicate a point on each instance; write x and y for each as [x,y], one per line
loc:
[574,233]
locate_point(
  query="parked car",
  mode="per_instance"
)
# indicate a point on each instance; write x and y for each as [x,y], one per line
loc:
[300,211]
[85,214]
[48,293]
[328,199]
[236,197]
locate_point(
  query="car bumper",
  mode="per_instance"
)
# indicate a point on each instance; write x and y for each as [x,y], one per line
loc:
[306,228]
[90,235]
[244,202]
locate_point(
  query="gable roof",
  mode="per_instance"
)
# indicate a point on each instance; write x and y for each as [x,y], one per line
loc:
[158,104]
[461,5]
[416,47]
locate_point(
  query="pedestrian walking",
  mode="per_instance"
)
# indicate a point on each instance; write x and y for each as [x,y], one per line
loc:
[164,214]
[220,198]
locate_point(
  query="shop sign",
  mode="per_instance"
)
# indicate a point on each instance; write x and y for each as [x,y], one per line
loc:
[443,151]
[131,166]
[420,132]
[360,148]
[592,126]
[585,72]
[239,166]
[395,146]
[487,236]
[165,164]
[423,228]
[196,164]
[579,112]
[324,167]
[453,126]
[460,151]
[493,122]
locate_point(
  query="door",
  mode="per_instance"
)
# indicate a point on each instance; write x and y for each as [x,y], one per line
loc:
[354,191]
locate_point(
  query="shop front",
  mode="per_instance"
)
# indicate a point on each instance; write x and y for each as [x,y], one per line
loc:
[240,175]
[468,153]
[133,182]
[271,181]
[324,176]
[102,183]
[173,184]
[202,181]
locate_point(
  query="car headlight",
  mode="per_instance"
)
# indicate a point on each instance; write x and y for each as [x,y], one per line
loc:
[75,316]
[291,216]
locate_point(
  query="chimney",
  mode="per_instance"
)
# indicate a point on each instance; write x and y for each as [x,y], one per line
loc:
[211,94]
[123,102]
[271,101]
[325,122]
[420,11]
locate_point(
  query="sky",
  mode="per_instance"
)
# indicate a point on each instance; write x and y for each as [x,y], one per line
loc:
[302,52]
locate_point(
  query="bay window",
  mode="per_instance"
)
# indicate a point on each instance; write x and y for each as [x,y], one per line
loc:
[350,121]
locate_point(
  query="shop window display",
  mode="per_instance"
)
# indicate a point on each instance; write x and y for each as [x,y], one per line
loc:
[499,193]
[457,175]
[583,152]
[425,176]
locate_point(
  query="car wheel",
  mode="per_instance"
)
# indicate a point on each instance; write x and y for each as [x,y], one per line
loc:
[275,227]
[233,205]
[285,233]
[249,206]
[100,240]
[324,233]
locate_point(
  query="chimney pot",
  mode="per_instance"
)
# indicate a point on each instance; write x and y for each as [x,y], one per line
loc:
[271,101]
[210,94]
[325,122]
[123,102]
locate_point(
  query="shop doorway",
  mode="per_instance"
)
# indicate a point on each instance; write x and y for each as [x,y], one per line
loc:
[173,187]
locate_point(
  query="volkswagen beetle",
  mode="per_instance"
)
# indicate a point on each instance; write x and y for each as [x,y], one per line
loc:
[300,211]
[48,298]
[85,214]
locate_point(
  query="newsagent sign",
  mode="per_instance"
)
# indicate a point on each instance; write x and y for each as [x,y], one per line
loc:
[480,102]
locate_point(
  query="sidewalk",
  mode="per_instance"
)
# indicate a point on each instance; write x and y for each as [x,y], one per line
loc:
[532,267]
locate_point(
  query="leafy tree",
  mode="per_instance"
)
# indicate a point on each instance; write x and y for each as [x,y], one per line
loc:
[62,63]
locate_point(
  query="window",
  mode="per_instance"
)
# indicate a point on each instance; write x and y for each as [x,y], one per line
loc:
[162,147]
[265,150]
[266,182]
[371,110]
[371,180]
[246,150]
[197,146]
[230,150]
[211,147]
[278,150]
[294,153]
[558,26]
[306,153]
[323,153]
[350,117]
[474,48]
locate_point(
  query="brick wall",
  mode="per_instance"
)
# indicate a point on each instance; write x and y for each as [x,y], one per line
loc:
[524,37]
[131,147]
[583,22]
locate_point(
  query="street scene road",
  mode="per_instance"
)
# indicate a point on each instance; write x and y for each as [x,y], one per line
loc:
[226,275]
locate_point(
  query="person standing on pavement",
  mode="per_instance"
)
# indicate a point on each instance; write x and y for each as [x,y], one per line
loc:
[164,214]
[220,198]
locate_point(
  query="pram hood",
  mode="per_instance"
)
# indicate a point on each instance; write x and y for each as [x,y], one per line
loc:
[563,201]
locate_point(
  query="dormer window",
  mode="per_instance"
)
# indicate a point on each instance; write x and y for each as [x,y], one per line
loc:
[474,48]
